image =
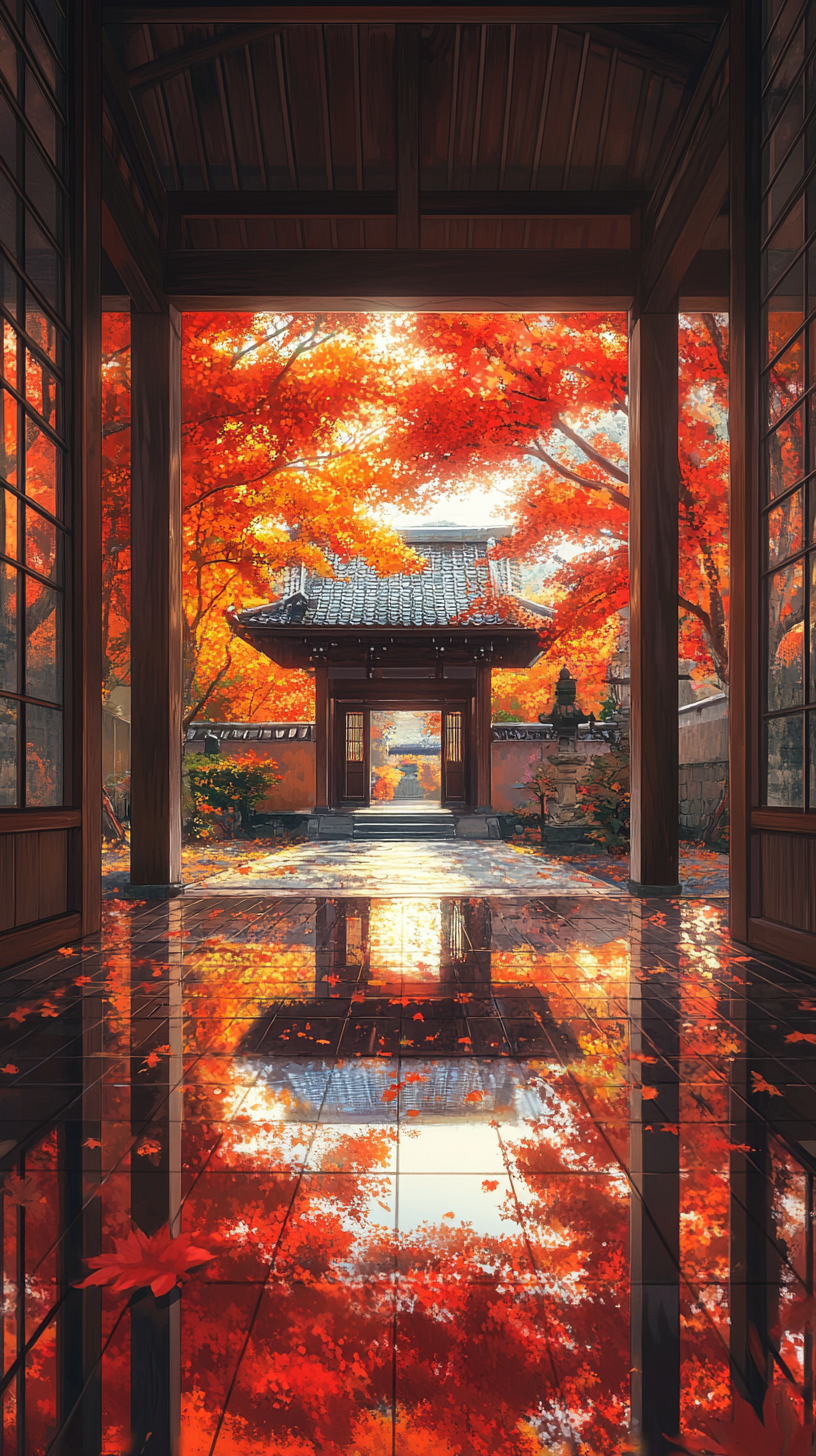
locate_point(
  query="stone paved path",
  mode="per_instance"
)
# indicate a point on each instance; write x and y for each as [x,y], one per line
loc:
[407,869]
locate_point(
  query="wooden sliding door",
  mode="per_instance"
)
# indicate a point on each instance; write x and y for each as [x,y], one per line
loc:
[50,554]
[773,380]
[454,750]
[355,788]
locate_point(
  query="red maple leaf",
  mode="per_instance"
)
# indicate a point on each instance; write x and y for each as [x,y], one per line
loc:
[139,1259]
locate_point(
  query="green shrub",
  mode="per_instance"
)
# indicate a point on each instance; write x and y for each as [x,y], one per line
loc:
[604,798]
[225,791]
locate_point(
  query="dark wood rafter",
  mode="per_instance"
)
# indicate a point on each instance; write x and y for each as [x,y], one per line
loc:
[424,278]
[577,13]
[245,204]
[579,91]
[173,63]
[128,241]
[130,131]
[406,90]
[692,188]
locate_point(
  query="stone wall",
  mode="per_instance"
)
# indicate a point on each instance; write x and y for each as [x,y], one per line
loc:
[703,765]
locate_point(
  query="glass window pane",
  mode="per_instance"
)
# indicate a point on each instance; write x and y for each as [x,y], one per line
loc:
[8,628]
[43,756]
[43,545]
[9,515]
[10,353]
[43,52]
[8,136]
[785,638]
[8,287]
[41,328]
[43,641]
[8,216]
[8,437]
[786,453]
[42,189]
[9,714]
[782,323]
[43,464]
[812,760]
[42,116]
[784,778]
[8,60]
[42,264]
[786,379]
[42,390]
[52,18]
[785,527]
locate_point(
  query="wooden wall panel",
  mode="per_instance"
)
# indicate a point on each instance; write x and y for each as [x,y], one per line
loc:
[6,882]
[788,880]
[26,878]
[33,877]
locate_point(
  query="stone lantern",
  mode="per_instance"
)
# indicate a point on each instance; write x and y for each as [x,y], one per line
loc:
[566,824]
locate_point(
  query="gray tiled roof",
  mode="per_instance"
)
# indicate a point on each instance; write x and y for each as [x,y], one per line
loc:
[456,573]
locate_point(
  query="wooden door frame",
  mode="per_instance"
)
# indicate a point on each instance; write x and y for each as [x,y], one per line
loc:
[467,760]
[337,754]
[398,697]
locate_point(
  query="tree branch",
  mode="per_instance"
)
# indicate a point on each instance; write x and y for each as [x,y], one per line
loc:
[591,453]
[563,470]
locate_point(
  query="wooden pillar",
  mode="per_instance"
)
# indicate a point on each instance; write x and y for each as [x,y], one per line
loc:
[653,581]
[156,604]
[481,732]
[322,735]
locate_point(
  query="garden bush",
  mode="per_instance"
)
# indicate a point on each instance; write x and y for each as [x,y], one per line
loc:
[604,798]
[225,791]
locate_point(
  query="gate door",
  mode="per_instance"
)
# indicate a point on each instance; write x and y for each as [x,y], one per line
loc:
[453,756]
[355,772]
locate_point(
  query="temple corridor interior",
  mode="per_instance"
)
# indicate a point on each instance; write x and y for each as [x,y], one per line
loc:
[439,1176]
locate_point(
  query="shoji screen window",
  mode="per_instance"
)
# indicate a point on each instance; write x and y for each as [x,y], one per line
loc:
[34,531]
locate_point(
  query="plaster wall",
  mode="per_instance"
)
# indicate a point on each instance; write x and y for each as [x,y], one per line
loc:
[296,762]
[514,760]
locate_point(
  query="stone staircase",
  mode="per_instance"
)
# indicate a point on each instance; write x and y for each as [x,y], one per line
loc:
[431,824]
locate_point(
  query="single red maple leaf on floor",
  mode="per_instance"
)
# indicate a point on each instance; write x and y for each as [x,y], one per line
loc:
[139,1259]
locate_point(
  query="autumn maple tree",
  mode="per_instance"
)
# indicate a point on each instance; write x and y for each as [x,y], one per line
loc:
[542,400]
[300,430]
[284,463]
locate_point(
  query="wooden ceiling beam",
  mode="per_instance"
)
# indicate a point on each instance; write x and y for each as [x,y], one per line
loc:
[384,204]
[172,63]
[128,241]
[576,13]
[402,279]
[691,189]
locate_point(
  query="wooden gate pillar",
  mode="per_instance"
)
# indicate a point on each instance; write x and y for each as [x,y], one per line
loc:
[156,602]
[481,732]
[322,735]
[653,576]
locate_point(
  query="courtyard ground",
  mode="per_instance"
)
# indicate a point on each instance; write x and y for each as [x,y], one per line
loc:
[424,868]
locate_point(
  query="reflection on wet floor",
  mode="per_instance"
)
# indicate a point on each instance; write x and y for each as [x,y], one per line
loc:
[404,1178]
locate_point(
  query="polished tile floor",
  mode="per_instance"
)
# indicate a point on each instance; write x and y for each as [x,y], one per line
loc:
[431,1176]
